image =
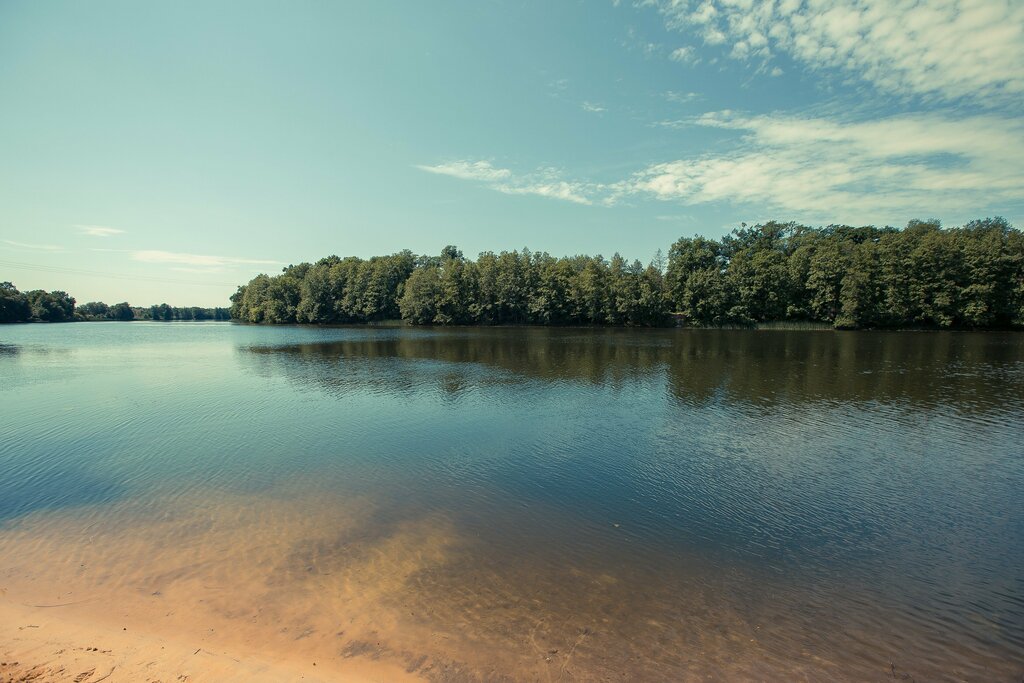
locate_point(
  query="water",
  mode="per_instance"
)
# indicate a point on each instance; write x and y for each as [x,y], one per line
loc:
[528,504]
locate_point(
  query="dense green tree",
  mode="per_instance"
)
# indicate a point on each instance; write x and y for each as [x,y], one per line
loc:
[687,256]
[121,311]
[420,295]
[1015,275]
[57,306]
[826,269]
[14,306]
[457,289]
[986,294]
[859,291]
[94,309]
[936,279]
[654,302]
[709,299]
[50,307]
[761,279]
[847,276]
[161,312]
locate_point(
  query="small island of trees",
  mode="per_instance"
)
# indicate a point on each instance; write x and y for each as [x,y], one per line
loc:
[925,275]
[59,307]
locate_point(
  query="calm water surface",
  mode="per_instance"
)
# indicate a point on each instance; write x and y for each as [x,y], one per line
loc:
[533,504]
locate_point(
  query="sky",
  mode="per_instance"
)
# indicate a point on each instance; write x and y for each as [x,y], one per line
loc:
[168,152]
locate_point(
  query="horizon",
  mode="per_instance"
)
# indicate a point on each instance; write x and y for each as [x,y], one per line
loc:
[170,153]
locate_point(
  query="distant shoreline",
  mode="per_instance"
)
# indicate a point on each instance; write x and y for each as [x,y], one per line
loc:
[921,277]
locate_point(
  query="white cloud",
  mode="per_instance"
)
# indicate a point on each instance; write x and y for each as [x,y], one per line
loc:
[559,189]
[545,182]
[593,108]
[682,97]
[156,256]
[98,230]
[860,171]
[944,49]
[469,170]
[35,247]
[192,269]
[819,169]
[684,55]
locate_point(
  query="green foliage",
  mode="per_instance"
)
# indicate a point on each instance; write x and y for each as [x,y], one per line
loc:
[922,276]
[50,307]
[14,306]
[41,306]
[420,295]
[165,313]
[121,311]
[94,310]
[853,277]
[97,310]
[512,287]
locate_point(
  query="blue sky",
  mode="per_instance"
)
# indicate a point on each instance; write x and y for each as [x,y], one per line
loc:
[170,151]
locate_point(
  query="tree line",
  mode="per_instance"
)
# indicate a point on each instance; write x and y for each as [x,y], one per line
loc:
[59,306]
[513,287]
[167,313]
[924,275]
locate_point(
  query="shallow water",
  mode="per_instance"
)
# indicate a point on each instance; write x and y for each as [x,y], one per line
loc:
[529,504]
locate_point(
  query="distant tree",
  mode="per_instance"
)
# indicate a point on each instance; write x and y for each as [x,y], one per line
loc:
[94,310]
[419,298]
[121,311]
[761,282]
[848,276]
[51,307]
[457,289]
[14,307]
[709,298]
[860,297]
[824,278]
[161,312]
[688,256]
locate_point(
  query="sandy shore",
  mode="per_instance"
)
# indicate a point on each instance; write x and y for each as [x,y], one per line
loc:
[215,587]
[55,644]
[218,591]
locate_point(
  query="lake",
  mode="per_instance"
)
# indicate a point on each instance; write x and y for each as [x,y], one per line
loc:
[519,503]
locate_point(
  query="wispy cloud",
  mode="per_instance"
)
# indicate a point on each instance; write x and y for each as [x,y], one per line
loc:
[200,260]
[593,108]
[543,183]
[945,49]
[98,230]
[34,247]
[191,269]
[855,171]
[470,170]
[555,189]
[684,55]
[814,168]
[682,97]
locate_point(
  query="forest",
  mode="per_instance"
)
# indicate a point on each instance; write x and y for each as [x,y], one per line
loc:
[921,276]
[58,307]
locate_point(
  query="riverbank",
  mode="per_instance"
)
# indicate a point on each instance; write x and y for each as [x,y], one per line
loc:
[73,643]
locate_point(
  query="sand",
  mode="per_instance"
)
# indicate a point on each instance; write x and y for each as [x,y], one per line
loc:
[208,589]
[61,644]
[212,586]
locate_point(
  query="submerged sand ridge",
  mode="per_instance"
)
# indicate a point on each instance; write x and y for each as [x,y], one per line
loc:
[223,587]
[289,586]
[243,580]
